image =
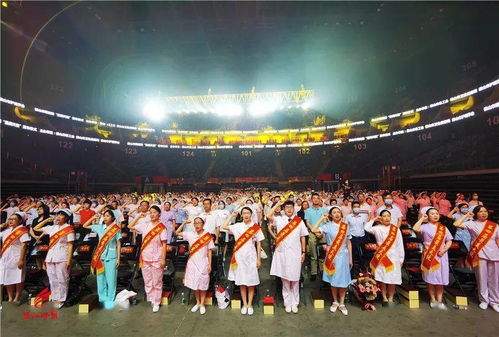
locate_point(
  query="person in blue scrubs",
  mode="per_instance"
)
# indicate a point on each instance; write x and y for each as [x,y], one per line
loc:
[328,226]
[107,281]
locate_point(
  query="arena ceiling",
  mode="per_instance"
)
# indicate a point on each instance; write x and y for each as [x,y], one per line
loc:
[361,59]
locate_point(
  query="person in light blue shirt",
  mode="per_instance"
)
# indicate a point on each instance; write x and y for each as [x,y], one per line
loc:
[181,212]
[356,221]
[110,257]
[312,215]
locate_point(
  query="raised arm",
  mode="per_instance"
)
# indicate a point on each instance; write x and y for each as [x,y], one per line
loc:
[368,227]
[91,221]
[417,225]
[39,226]
[459,222]
[225,225]
[179,229]
[270,214]
[132,224]
[315,228]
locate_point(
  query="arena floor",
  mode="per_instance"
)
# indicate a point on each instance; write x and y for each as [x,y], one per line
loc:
[177,320]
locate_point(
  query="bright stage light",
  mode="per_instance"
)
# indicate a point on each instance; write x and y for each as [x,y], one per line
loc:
[307,105]
[261,108]
[228,109]
[154,110]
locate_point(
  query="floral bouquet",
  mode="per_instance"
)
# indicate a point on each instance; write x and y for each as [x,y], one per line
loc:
[365,290]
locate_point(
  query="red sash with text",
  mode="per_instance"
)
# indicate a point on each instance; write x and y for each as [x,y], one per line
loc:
[200,243]
[481,241]
[248,235]
[430,262]
[288,229]
[96,265]
[12,237]
[59,235]
[335,248]
[149,237]
[380,257]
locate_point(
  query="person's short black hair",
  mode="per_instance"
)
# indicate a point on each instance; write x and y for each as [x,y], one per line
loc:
[246,208]
[156,208]
[207,199]
[385,211]
[195,199]
[229,198]
[147,202]
[110,212]
[315,194]
[476,210]
[386,194]
[429,209]
[87,201]
[355,202]
[288,202]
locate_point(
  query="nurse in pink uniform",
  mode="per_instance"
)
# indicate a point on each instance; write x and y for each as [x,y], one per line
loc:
[153,256]
[198,268]
[487,270]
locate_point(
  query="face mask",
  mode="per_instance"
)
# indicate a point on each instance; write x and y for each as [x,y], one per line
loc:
[221,206]
[12,204]
[356,210]
[388,201]
[464,210]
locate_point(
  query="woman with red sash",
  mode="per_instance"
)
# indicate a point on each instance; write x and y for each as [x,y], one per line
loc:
[60,252]
[198,268]
[483,256]
[246,259]
[338,261]
[152,254]
[12,263]
[389,257]
[435,262]
[106,257]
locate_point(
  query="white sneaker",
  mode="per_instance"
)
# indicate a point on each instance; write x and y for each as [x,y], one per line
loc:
[343,309]
[294,309]
[195,308]
[202,310]
[288,309]
[334,307]
[155,308]
[433,305]
[244,311]
[483,305]
[495,307]
[442,306]
[250,311]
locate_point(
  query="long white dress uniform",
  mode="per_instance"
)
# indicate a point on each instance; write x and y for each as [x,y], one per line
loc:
[286,262]
[9,272]
[246,272]
[396,254]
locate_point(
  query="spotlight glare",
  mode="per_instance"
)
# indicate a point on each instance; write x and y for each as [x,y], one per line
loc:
[228,109]
[261,108]
[307,105]
[154,110]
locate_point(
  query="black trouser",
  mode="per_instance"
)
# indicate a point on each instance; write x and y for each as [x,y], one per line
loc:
[357,243]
